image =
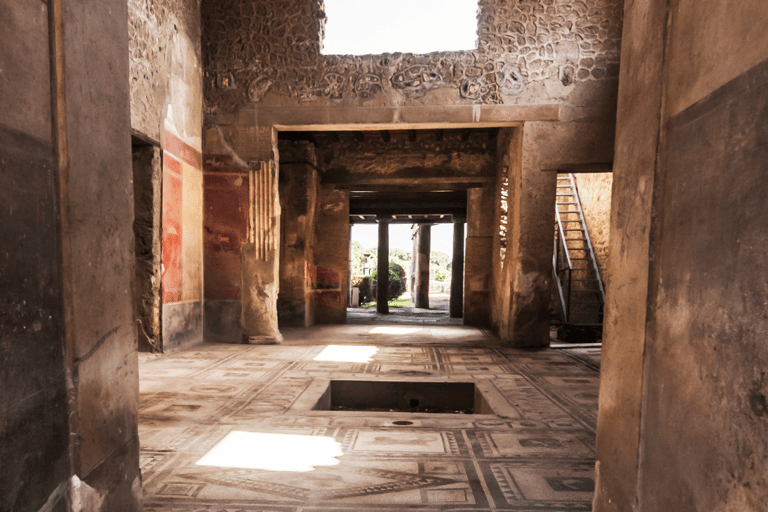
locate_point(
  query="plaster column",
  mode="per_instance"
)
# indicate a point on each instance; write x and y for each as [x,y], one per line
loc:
[529,240]
[456,306]
[261,258]
[422,266]
[382,271]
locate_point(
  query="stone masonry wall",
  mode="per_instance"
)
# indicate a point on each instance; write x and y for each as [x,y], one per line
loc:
[155,27]
[414,155]
[269,53]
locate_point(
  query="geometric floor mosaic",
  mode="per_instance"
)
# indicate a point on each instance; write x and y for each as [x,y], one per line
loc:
[227,427]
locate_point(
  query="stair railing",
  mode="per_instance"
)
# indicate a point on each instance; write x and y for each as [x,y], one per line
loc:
[561,252]
[590,249]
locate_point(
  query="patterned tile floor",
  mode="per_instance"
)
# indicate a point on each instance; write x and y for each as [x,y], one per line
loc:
[231,427]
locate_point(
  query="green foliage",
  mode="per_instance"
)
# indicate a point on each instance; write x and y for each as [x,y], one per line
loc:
[396,281]
[440,263]
[356,259]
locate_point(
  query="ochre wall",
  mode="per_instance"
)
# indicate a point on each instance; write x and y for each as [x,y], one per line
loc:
[682,422]
[331,254]
[225,230]
[34,458]
[595,196]
[69,371]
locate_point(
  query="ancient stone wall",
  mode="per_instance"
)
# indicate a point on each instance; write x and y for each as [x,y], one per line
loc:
[528,51]
[164,43]
[407,155]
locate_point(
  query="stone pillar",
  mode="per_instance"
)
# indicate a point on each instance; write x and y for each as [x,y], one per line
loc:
[261,258]
[531,219]
[456,306]
[382,271]
[422,266]
[298,198]
[478,257]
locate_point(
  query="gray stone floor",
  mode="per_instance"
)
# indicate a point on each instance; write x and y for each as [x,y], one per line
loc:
[231,427]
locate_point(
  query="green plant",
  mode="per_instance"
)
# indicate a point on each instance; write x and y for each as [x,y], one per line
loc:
[396,281]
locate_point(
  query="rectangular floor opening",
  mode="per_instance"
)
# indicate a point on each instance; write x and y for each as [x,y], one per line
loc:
[399,396]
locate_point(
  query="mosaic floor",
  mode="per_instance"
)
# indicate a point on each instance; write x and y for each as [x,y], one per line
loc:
[231,427]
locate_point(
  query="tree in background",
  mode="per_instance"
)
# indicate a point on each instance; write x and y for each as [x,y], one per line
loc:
[440,266]
[356,259]
[368,288]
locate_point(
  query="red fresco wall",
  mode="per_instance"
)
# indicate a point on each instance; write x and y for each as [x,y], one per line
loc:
[172,231]
[182,174]
[225,226]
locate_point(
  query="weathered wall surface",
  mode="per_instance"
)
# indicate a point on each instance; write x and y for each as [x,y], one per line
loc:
[507,155]
[528,52]
[225,229]
[478,273]
[331,253]
[68,337]
[298,202]
[164,64]
[682,422]
[407,156]
[147,202]
[595,196]
[99,260]
[166,106]
[182,243]
[34,442]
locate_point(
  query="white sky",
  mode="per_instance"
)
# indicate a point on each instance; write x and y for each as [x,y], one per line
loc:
[361,27]
[400,237]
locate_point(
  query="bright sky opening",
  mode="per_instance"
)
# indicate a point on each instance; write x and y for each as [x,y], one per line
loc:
[362,27]
[441,237]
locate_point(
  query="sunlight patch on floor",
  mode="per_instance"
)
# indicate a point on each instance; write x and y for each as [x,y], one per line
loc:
[394,330]
[272,452]
[347,354]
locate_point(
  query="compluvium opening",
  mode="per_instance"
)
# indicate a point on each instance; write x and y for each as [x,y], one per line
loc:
[399,396]
[356,27]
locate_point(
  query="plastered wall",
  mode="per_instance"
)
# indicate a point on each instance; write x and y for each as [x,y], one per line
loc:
[67,335]
[682,422]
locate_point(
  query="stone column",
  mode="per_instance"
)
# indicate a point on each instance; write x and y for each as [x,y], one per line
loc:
[382,271]
[422,266]
[456,306]
[261,258]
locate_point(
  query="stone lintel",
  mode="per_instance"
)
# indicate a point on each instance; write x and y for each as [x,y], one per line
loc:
[383,118]
[583,167]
